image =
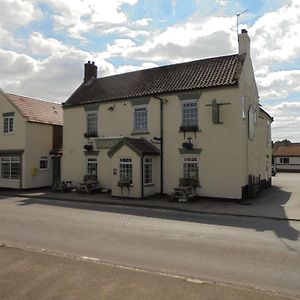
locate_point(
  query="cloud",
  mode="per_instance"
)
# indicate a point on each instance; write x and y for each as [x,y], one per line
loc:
[41,46]
[286,121]
[79,17]
[277,41]
[142,22]
[18,13]
[131,68]
[54,78]
[193,40]
[278,85]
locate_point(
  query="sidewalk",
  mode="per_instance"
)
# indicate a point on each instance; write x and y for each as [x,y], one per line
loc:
[36,275]
[281,202]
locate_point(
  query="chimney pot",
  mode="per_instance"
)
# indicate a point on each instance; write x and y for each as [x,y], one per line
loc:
[244,31]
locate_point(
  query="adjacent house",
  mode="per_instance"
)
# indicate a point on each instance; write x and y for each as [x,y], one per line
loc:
[148,131]
[287,157]
[30,142]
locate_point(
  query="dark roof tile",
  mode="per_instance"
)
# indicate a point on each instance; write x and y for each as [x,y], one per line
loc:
[200,74]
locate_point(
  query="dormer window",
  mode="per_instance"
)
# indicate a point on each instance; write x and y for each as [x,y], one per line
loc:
[8,122]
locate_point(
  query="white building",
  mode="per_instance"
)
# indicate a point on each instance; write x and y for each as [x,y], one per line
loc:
[30,129]
[144,132]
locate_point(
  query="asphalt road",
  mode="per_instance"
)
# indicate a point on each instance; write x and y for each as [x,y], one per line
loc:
[256,252]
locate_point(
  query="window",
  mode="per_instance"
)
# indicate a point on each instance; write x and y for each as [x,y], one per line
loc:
[190,167]
[140,119]
[148,171]
[44,163]
[10,168]
[91,117]
[8,124]
[284,160]
[125,170]
[189,113]
[92,166]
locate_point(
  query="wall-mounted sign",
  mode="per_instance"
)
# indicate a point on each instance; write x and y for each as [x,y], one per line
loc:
[107,143]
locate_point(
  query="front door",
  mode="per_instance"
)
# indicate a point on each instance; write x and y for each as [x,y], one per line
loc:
[56,169]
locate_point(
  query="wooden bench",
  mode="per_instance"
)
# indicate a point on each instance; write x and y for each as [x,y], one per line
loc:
[186,190]
[90,184]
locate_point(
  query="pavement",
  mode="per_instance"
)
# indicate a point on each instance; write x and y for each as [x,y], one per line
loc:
[29,274]
[281,201]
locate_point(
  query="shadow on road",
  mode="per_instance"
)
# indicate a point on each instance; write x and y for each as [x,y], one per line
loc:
[273,199]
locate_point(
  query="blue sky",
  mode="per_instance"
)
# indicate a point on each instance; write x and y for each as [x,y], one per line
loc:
[44,44]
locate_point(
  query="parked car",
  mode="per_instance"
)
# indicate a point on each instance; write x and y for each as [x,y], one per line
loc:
[274,171]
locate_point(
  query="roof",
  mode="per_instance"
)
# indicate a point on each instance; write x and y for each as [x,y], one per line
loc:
[287,150]
[199,74]
[38,111]
[140,146]
[268,115]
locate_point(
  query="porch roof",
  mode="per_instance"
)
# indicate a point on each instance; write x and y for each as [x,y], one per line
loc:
[139,146]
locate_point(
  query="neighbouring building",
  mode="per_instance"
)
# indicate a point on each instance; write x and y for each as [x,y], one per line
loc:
[287,157]
[30,142]
[144,132]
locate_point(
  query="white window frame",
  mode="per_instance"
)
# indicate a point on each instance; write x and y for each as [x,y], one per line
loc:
[282,160]
[186,122]
[190,159]
[140,118]
[11,160]
[148,168]
[94,128]
[125,168]
[92,165]
[44,159]
[9,127]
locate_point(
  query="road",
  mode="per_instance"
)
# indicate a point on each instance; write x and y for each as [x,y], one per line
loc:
[255,252]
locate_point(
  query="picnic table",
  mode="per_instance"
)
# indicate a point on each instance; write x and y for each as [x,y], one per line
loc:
[184,193]
[89,184]
[63,186]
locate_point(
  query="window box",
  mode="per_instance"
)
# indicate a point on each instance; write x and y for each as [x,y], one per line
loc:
[91,134]
[189,181]
[124,183]
[189,128]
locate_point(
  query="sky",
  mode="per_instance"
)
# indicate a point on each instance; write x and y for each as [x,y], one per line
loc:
[45,43]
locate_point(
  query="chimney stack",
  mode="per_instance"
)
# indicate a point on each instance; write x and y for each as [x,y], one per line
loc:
[90,71]
[244,42]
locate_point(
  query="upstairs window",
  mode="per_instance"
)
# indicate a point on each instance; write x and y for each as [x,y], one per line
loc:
[125,170]
[91,120]
[190,113]
[140,119]
[44,164]
[8,124]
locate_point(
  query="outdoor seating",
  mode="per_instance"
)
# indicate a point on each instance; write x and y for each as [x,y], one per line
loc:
[185,191]
[90,184]
[63,186]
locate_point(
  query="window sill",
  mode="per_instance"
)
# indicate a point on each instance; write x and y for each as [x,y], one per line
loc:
[140,132]
[148,184]
[91,134]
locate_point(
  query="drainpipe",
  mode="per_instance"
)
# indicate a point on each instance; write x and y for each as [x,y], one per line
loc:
[161,143]
[142,174]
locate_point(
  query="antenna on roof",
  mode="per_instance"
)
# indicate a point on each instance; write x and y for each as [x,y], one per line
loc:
[237,20]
